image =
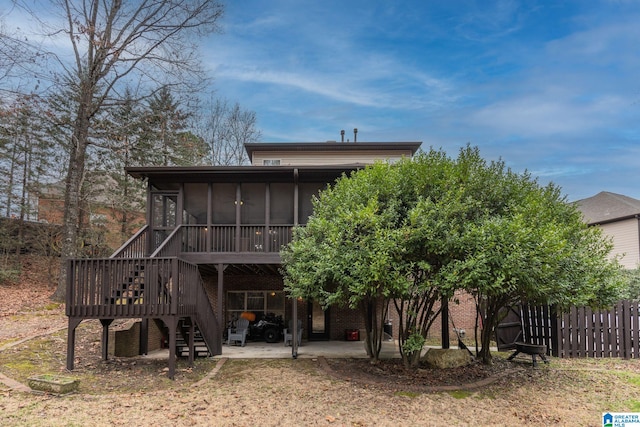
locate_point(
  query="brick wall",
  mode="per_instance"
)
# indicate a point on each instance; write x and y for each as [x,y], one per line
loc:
[124,340]
[340,318]
[345,318]
[463,315]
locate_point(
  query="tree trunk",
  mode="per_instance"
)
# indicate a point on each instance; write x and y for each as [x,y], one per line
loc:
[491,319]
[73,185]
[373,330]
[485,342]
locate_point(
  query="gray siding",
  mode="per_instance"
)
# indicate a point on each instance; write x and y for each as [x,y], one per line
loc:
[625,241]
[324,158]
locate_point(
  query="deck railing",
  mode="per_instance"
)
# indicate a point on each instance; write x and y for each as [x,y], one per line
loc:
[205,239]
[135,247]
[231,238]
[197,303]
[133,287]
[170,246]
[141,288]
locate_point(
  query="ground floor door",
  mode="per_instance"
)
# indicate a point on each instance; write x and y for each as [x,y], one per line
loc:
[318,322]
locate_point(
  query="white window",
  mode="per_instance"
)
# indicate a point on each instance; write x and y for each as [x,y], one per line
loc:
[256,302]
[271,162]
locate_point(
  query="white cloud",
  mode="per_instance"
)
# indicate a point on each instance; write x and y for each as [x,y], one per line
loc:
[553,112]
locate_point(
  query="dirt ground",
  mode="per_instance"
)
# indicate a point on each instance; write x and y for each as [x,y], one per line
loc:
[280,392]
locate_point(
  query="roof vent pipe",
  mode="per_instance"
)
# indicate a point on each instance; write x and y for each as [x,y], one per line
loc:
[355,134]
[342,134]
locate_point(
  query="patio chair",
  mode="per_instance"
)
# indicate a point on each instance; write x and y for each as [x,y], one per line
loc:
[288,333]
[239,333]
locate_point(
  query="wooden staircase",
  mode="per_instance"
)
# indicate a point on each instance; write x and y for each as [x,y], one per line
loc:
[168,289]
[200,348]
[131,289]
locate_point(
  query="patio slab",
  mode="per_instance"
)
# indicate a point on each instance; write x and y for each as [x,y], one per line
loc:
[308,350]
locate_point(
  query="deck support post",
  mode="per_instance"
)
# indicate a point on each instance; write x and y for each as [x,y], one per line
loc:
[219,313]
[105,337]
[71,341]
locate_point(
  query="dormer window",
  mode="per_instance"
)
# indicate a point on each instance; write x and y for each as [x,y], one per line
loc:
[271,162]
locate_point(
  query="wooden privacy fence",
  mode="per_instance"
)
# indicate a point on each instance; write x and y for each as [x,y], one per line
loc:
[582,332]
[606,333]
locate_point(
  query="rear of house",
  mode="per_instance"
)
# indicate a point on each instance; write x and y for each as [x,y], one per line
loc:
[222,227]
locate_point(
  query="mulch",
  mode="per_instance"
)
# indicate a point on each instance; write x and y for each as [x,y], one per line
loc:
[390,374]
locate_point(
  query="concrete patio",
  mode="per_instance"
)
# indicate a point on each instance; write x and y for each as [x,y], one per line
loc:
[308,350]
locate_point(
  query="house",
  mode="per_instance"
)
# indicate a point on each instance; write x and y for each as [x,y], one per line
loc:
[104,225]
[210,249]
[619,218]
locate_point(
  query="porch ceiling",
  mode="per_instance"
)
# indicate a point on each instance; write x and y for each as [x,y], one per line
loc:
[211,270]
[168,177]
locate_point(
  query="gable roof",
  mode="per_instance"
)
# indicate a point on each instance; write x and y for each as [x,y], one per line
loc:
[608,207]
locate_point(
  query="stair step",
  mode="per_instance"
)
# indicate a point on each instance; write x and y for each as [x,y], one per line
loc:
[182,341]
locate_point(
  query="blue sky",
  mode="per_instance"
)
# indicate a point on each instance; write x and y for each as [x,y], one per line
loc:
[550,87]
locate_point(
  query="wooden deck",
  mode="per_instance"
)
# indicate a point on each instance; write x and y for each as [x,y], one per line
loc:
[168,289]
[155,276]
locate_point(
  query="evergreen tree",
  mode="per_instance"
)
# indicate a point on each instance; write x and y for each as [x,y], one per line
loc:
[166,138]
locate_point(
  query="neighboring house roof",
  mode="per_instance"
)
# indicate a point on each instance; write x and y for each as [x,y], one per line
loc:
[608,207]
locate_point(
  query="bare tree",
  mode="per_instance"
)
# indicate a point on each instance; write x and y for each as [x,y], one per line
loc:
[15,54]
[225,129]
[115,42]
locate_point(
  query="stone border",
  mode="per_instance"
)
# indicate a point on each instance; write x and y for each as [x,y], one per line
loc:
[10,382]
[324,365]
[13,384]
[211,374]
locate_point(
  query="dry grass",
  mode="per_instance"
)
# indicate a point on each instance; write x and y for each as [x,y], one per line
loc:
[280,392]
[298,392]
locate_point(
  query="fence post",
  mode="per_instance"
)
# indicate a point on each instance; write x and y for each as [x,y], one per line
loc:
[635,325]
[626,330]
[554,342]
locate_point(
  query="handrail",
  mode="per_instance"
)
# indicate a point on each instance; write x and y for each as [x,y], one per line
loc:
[198,238]
[121,287]
[136,246]
[170,246]
[193,293]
